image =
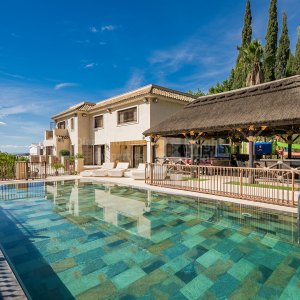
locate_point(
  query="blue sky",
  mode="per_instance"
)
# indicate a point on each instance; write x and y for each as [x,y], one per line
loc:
[54,54]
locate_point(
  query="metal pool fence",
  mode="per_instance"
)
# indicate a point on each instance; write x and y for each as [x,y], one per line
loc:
[264,185]
[33,170]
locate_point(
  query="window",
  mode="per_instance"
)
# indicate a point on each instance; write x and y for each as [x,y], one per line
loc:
[98,122]
[127,115]
[72,124]
[61,125]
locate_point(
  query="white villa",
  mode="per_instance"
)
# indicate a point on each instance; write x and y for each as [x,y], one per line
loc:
[112,130]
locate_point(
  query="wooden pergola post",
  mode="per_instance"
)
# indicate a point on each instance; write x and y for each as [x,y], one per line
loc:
[192,151]
[251,148]
[290,143]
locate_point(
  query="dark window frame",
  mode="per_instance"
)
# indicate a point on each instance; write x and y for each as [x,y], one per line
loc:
[130,115]
[95,122]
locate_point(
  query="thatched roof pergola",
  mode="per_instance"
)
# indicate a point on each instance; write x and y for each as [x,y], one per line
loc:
[266,109]
[274,104]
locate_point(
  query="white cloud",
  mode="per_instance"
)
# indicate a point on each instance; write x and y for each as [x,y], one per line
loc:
[108,28]
[102,43]
[13,146]
[64,85]
[90,65]
[17,76]
[18,109]
[136,79]
[2,123]
[94,29]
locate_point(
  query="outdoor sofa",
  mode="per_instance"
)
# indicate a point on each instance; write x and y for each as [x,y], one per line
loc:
[101,172]
[119,170]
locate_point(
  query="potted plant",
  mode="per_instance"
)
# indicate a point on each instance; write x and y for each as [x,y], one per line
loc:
[56,167]
[64,152]
[79,162]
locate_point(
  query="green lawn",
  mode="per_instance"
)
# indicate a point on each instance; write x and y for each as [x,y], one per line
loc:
[264,185]
[193,179]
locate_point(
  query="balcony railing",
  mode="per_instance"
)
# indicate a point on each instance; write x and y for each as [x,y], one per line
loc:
[61,132]
[264,185]
[48,134]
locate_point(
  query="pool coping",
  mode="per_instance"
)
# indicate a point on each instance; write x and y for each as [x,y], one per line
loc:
[12,287]
[142,185]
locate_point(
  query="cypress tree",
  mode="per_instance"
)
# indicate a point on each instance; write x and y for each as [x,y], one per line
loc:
[239,73]
[297,55]
[271,43]
[247,29]
[283,51]
[290,66]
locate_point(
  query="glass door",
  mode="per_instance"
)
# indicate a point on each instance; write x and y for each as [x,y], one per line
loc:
[139,154]
[99,154]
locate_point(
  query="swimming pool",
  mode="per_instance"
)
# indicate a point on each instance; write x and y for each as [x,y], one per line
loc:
[85,240]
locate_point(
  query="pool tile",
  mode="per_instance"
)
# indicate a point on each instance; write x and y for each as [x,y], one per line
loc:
[224,286]
[241,269]
[187,273]
[194,289]
[92,257]
[209,258]
[104,290]
[193,241]
[175,251]
[153,266]
[128,277]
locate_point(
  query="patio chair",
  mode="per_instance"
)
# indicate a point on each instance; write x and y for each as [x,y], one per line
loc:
[101,172]
[139,173]
[119,170]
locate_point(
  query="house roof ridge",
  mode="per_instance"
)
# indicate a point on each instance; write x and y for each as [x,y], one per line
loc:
[125,93]
[144,90]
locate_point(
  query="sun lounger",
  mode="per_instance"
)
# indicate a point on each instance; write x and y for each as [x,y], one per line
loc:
[101,172]
[119,170]
[139,173]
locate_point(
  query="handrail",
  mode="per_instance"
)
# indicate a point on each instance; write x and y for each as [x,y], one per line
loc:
[277,186]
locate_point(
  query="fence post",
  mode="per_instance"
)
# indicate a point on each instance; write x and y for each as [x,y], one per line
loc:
[151,173]
[241,182]
[293,188]
[45,169]
[198,176]
[26,170]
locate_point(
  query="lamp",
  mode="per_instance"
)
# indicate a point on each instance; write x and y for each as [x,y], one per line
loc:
[108,110]
[84,115]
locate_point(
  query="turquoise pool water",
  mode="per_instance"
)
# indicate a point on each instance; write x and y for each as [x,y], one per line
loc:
[102,241]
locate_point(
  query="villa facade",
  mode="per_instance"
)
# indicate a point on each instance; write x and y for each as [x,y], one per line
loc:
[112,129]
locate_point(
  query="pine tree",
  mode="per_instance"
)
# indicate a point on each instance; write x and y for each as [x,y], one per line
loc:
[297,55]
[290,66]
[271,43]
[239,73]
[283,51]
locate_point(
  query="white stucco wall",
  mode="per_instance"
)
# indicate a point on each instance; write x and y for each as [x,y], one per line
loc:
[112,132]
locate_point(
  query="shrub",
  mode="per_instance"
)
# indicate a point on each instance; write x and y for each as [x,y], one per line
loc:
[58,166]
[79,155]
[64,152]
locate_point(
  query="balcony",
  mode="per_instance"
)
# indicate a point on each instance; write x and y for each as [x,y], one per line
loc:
[48,134]
[60,132]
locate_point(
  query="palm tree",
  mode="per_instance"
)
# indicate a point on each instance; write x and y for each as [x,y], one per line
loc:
[251,60]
